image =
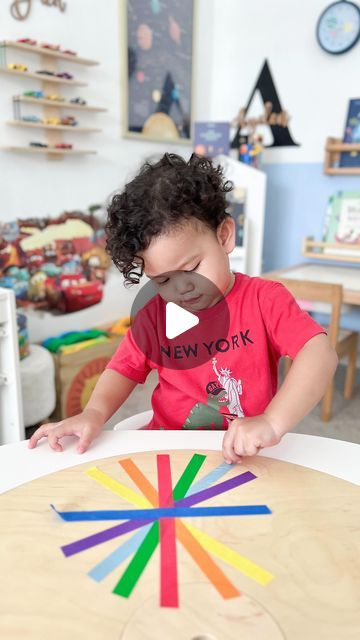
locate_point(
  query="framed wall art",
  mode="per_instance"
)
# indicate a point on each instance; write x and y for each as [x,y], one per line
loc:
[158,74]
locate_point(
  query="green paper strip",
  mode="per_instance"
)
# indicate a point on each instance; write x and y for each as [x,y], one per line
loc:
[138,563]
[133,571]
[185,481]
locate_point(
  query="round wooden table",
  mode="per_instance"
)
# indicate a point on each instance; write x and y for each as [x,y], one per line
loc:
[286,568]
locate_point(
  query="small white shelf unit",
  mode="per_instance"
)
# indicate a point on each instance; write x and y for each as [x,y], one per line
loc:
[11,411]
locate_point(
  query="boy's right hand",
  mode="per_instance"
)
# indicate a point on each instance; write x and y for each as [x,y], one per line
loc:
[86,426]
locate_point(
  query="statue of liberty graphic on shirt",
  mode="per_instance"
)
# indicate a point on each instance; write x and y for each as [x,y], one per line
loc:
[232,387]
[222,394]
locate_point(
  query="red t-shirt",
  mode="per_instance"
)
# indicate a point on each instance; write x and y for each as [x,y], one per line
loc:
[240,375]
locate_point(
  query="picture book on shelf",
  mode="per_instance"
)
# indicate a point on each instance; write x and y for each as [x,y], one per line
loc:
[342,220]
[211,138]
[352,134]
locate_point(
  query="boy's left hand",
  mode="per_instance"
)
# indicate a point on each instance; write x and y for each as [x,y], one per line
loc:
[246,436]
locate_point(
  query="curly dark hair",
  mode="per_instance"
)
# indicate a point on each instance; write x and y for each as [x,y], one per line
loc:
[164,194]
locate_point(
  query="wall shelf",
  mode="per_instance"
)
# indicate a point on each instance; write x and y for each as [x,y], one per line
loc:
[50,150]
[51,135]
[332,251]
[333,148]
[53,127]
[43,77]
[12,44]
[60,104]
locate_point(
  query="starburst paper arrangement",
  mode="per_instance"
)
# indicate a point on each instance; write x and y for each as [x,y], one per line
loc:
[158,520]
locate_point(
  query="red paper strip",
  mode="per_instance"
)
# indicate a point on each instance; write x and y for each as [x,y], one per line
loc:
[169,596]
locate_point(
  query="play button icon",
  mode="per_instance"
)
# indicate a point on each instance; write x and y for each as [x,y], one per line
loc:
[180,323]
[178,320]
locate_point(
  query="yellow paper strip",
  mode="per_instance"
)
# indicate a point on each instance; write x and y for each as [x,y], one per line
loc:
[118,488]
[247,567]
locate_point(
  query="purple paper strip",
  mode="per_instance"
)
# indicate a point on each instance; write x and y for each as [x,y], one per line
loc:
[131,525]
[103,536]
[215,490]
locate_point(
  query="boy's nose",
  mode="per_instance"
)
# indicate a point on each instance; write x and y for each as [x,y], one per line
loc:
[184,284]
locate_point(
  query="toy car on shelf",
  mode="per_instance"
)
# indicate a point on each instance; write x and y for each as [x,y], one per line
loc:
[41,145]
[52,47]
[31,119]
[63,145]
[56,97]
[52,121]
[45,72]
[78,101]
[65,75]
[72,292]
[69,121]
[16,67]
[27,41]
[34,94]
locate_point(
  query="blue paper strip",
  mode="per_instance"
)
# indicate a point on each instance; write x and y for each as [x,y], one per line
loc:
[114,559]
[164,512]
[210,478]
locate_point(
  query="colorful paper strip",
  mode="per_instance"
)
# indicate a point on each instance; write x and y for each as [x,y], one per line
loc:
[164,512]
[102,536]
[216,489]
[138,563]
[117,487]
[122,553]
[213,476]
[205,562]
[169,596]
[140,481]
[234,559]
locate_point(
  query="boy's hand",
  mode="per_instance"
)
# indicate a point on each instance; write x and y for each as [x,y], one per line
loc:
[246,436]
[87,425]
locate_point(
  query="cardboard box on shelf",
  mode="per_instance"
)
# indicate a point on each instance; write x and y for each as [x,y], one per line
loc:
[77,373]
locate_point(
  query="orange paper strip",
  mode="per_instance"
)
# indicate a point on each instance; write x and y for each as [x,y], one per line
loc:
[205,562]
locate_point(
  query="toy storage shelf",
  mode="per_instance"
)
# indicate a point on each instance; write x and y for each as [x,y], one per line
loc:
[53,127]
[11,44]
[332,251]
[44,77]
[334,147]
[60,104]
[51,136]
[50,151]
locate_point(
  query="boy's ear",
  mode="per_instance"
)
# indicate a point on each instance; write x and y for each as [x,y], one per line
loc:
[226,234]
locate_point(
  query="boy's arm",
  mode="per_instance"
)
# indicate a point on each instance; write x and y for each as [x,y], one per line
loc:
[303,387]
[109,394]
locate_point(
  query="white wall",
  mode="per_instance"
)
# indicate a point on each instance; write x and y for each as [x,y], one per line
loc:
[313,86]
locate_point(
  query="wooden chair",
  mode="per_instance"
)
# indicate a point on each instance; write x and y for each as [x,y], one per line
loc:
[345,342]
